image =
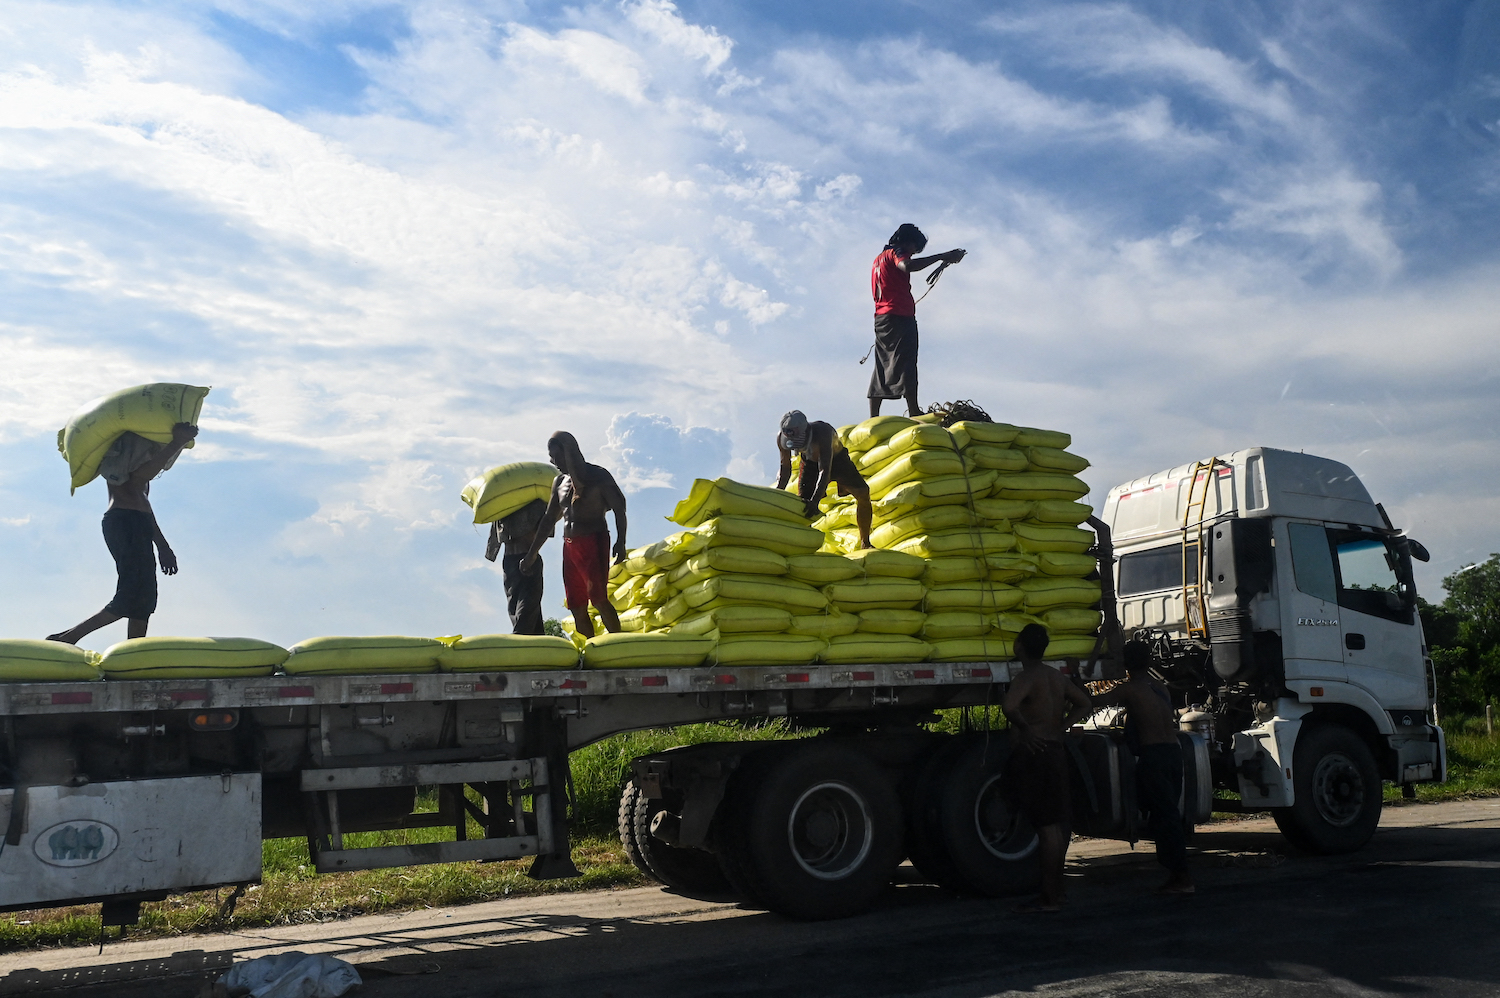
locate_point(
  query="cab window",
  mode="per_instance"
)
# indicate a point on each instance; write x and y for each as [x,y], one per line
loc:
[1374,576]
[1150,571]
[1312,564]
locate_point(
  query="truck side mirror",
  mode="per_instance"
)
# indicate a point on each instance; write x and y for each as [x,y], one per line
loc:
[1418,552]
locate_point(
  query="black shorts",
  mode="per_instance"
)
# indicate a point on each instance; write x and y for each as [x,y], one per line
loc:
[841,471]
[1036,782]
[128,534]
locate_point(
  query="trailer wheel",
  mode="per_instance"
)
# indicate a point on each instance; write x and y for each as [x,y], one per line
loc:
[693,873]
[813,833]
[1337,789]
[625,825]
[991,847]
[923,799]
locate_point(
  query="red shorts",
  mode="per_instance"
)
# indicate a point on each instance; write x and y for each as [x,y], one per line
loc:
[585,569]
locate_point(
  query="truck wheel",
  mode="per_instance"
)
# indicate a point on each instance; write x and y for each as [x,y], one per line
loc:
[815,835]
[1338,792]
[693,873]
[923,799]
[625,825]
[991,847]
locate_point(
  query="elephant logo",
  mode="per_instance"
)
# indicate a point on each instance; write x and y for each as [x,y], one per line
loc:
[76,843]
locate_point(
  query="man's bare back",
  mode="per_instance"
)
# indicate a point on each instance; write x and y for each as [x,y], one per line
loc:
[1148,705]
[1042,703]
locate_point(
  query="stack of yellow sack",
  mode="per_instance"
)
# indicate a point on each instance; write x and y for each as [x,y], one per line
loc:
[991,509]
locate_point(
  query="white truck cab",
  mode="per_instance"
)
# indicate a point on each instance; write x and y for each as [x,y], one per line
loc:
[1278,601]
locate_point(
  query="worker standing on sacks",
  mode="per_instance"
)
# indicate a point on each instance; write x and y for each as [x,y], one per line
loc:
[581,495]
[131,531]
[823,459]
[895,373]
[523,588]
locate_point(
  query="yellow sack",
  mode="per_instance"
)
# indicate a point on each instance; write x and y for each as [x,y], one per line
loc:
[997,458]
[663,556]
[357,656]
[916,464]
[857,595]
[508,653]
[893,564]
[877,430]
[1013,623]
[990,648]
[637,618]
[972,541]
[839,514]
[23,660]
[751,531]
[1038,485]
[148,411]
[645,651]
[941,571]
[1047,593]
[872,649]
[724,496]
[825,625]
[502,491]
[1011,566]
[990,597]
[1070,646]
[1054,459]
[1034,538]
[765,590]
[658,589]
[891,621]
[190,658]
[1030,436]
[1072,621]
[1062,511]
[821,568]
[767,649]
[986,433]
[1002,510]
[731,559]
[671,611]
[921,521]
[923,436]
[956,624]
[625,593]
[941,491]
[1065,564]
[737,620]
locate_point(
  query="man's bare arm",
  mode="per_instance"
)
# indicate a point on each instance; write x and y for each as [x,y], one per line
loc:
[1079,707]
[164,552]
[785,474]
[615,497]
[544,526]
[181,434]
[913,264]
[1011,704]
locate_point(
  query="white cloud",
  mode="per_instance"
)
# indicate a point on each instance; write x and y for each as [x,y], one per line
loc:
[652,451]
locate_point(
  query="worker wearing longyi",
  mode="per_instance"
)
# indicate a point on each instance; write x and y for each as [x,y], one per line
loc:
[823,459]
[131,531]
[895,373]
[523,589]
[581,495]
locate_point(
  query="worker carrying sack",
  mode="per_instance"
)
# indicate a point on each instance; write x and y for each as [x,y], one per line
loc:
[357,656]
[148,411]
[508,653]
[190,658]
[502,491]
[23,660]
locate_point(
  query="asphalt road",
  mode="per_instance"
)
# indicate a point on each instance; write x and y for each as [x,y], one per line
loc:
[1416,912]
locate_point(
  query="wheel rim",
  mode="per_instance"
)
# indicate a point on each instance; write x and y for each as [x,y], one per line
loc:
[1000,827]
[829,830]
[1338,790]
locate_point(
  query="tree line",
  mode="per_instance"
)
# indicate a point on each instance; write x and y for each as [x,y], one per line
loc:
[1463,635]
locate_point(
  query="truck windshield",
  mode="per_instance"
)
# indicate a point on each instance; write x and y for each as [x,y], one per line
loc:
[1374,576]
[1149,571]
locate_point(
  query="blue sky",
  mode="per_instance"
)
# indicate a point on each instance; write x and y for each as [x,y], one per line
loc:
[407,242]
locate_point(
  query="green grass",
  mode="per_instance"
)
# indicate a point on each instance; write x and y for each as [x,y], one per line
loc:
[290,892]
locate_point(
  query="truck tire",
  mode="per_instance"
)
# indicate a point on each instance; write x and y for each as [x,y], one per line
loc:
[812,833]
[1337,791]
[693,873]
[625,825]
[990,848]
[923,799]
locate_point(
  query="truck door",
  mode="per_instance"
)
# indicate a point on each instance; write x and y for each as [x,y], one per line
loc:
[1382,644]
[1310,634]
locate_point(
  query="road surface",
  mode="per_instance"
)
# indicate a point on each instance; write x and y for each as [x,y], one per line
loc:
[1416,912]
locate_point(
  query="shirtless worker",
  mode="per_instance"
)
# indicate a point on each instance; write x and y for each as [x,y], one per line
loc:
[1040,705]
[1151,733]
[819,445]
[523,590]
[130,531]
[581,495]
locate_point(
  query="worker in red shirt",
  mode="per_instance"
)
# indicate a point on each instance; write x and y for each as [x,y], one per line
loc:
[895,374]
